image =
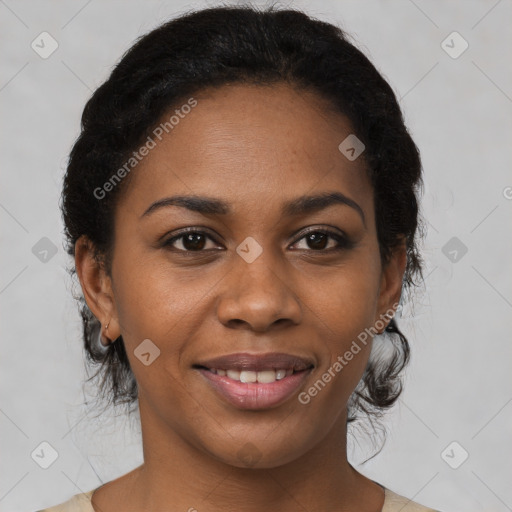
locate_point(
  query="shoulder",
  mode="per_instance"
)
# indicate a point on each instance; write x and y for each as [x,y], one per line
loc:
[78,503]
[394,503]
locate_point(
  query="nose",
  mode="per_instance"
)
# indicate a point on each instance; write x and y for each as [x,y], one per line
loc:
[258,296]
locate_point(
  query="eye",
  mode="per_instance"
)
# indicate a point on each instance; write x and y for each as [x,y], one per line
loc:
[190,241]
[318,240]
[194,240]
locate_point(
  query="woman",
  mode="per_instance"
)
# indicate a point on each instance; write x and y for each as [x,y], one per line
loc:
[241,206]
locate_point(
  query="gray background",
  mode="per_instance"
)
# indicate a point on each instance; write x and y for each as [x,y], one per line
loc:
[459,112]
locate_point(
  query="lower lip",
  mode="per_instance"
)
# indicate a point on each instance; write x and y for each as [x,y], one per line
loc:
[253,395]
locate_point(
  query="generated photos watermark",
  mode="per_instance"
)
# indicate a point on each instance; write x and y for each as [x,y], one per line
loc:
[144,150]
[342,360]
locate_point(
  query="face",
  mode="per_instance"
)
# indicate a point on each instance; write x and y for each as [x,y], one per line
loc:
[277,285]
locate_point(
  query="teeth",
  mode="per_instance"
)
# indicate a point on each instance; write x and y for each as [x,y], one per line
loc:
[280,374]
[266,377]
[263,377]
[233,374]
[248,376]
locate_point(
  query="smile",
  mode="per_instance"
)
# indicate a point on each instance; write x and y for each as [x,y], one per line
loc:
[256,382]
[262,377]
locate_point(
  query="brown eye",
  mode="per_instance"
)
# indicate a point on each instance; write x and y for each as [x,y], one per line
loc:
[318,240]
[190,241]
[193,241]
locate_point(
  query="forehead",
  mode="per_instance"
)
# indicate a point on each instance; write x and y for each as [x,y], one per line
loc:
[251,145]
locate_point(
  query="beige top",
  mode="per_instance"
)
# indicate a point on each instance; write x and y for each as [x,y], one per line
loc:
[392,503]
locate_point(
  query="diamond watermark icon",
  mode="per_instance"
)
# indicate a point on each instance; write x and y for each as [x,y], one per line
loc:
[454,455]
[351,147]
[44,45]
[454,249]
[44,455]
[147,352]
[454,45]
[249,454]
[249,249]
[44,250]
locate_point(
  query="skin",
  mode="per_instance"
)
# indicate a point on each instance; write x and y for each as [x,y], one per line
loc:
[254,147]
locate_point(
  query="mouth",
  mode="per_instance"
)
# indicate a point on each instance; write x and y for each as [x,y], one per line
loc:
[252,381]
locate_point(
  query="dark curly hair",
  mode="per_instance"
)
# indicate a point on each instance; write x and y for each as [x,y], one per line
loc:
[225,45]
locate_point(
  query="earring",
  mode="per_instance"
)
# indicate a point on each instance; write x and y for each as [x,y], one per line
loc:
[101,344]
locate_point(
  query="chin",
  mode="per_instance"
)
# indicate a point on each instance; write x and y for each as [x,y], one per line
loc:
[261,452]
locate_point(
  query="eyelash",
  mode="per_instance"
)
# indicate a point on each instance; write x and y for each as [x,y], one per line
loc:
[344,243]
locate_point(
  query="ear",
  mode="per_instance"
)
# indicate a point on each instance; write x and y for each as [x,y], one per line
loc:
[391,283]
[96,287]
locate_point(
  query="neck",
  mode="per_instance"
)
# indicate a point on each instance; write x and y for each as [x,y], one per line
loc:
[174,472]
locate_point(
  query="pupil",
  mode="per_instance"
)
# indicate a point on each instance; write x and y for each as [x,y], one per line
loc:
[193,241]
[317,240]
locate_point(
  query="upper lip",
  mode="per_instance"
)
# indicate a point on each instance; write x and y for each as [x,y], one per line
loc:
[258,362]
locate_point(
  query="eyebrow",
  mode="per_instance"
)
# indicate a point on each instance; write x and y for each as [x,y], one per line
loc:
[299,206]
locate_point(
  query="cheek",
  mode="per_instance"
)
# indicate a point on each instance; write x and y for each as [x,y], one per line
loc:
[167,306]
[153,307]
[153,299]
[344,310]
[344,301]
[346,346]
